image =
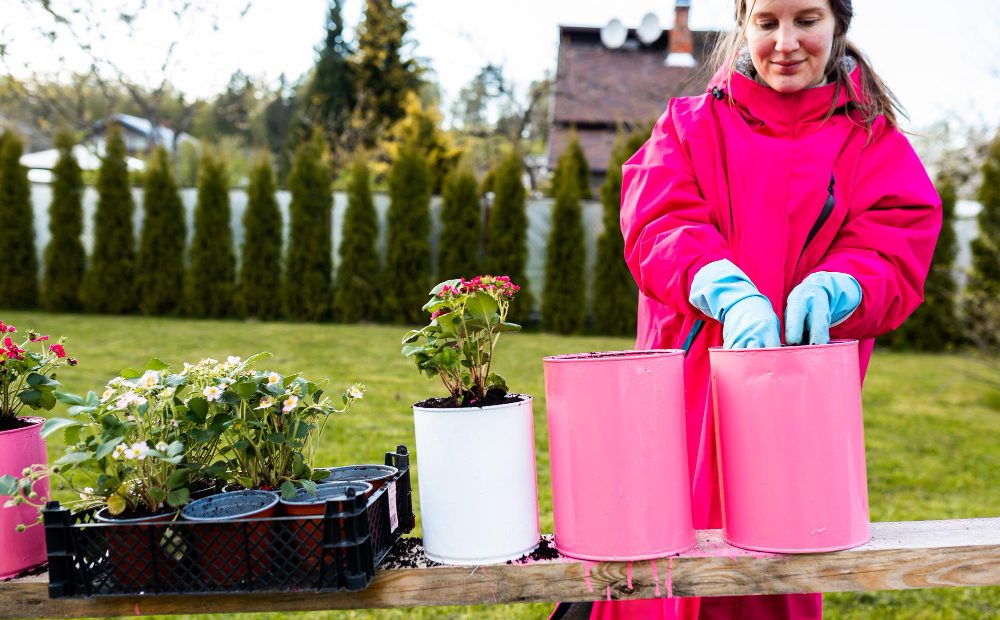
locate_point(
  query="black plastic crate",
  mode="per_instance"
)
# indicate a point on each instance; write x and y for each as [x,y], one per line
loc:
[336,551]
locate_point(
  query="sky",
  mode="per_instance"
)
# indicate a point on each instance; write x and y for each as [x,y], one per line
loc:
[940,57]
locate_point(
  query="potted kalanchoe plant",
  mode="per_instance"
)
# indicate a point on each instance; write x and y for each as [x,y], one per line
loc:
[28,368]
[478,441]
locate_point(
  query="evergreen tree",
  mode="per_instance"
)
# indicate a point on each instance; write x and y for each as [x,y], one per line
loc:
[108,285]
[934,325]
[19,275]
[309,266]
[331,92]
[260,265]
[356,296]
[383,76]
[582,167]
[564,297]
[615,292]
[982,299]
[65,259]
[212,267]
[160,261]
[461,227]
[408,257]
[507,234]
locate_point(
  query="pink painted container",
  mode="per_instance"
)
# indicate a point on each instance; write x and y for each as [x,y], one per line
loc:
[21,448]
[791,447]
[620,487]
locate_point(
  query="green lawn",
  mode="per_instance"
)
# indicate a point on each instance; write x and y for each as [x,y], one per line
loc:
[931,430]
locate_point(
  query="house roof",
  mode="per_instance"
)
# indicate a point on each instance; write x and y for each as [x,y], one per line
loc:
[631,84]
[164,135]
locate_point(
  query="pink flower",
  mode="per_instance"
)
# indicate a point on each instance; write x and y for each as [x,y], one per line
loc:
[58,350]
[39,338]
[12,350]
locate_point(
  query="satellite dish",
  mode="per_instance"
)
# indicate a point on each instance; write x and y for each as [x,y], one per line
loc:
[614,34]
[649,30]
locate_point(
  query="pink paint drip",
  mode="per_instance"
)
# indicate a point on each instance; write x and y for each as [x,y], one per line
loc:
[629,576]
[656,579]
[586,576]
[609,593]
[670,578]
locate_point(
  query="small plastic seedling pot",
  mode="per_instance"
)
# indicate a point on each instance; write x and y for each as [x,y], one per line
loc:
[229,555]
[308,532]
[791,447]
[136,548]
[617,448]
[375,475]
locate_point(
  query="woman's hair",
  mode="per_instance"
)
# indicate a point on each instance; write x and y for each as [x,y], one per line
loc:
[875,97]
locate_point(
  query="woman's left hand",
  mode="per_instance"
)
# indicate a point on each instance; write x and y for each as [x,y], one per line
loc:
[822,300]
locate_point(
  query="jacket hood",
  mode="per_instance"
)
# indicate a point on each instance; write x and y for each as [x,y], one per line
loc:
[782,111]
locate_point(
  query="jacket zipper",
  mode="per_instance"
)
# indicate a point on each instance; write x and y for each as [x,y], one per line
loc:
[824,215]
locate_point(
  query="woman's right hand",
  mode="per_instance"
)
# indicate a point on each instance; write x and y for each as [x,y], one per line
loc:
[722,291]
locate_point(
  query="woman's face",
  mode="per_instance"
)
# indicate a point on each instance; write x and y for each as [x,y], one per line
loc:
[790,42]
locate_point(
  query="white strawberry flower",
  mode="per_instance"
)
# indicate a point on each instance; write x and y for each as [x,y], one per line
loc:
[273,378]
[290,403]
[234,360]
[149,379]
[265,403]
[356,391]
[162,446]
[106,396]
[119,450]
[212,392]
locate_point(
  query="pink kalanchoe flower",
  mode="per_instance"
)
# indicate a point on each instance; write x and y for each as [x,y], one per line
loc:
[58,350]
[73,361]
[39,338]
[12,350]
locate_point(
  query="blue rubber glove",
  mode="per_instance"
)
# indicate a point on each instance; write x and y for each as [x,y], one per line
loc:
[722,291]
[824,299]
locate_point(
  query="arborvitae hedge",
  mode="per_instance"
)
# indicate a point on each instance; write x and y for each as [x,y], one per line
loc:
[565,295]
[582,174]
[615,292]
[356,296]
[19,275]
[982,298]
[461,234]
[308,274]
[65,258]
[260,260]
[160,261]
[934,325]
[408,255]
[109,284]
[211,279]
[507,234]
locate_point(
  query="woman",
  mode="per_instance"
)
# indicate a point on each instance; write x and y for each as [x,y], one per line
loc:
[786,192]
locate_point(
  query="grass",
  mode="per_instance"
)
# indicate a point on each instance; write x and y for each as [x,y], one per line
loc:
[931,430]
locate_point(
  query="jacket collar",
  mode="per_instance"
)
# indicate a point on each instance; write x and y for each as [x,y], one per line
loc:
[783,113]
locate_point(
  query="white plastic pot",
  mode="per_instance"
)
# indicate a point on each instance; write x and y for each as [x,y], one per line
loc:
[478,491]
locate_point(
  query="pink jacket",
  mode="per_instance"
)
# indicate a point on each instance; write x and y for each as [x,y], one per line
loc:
[750,180]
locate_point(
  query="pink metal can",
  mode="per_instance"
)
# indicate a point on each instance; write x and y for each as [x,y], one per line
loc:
[791,447]
[620,487]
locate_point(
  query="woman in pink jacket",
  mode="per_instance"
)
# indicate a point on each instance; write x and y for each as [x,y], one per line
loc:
[784,205]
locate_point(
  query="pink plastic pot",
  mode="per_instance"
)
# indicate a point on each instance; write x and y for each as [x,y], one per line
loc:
[20,448]
[620,488]
[791,447]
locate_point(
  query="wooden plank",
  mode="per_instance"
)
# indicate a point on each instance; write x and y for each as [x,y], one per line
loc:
[922,554]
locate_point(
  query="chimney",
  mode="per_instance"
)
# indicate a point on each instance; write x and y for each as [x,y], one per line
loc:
[681,46]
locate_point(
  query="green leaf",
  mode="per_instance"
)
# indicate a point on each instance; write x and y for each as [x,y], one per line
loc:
[8,485]
[508,327]
[157,495]
[482,307]
[308,485]
[203,435]
[72,458]
[35,379]
[107,447]
[155,364]
[287,490]
[69,399]
[440,286]
[411,336]
[54,424]
[179,497]
[245,389]
[178,478]
[31,397]
[72,435]
[175,448]
[277,438]
[197,409]
[77,410]
[130,373]
[412,349]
